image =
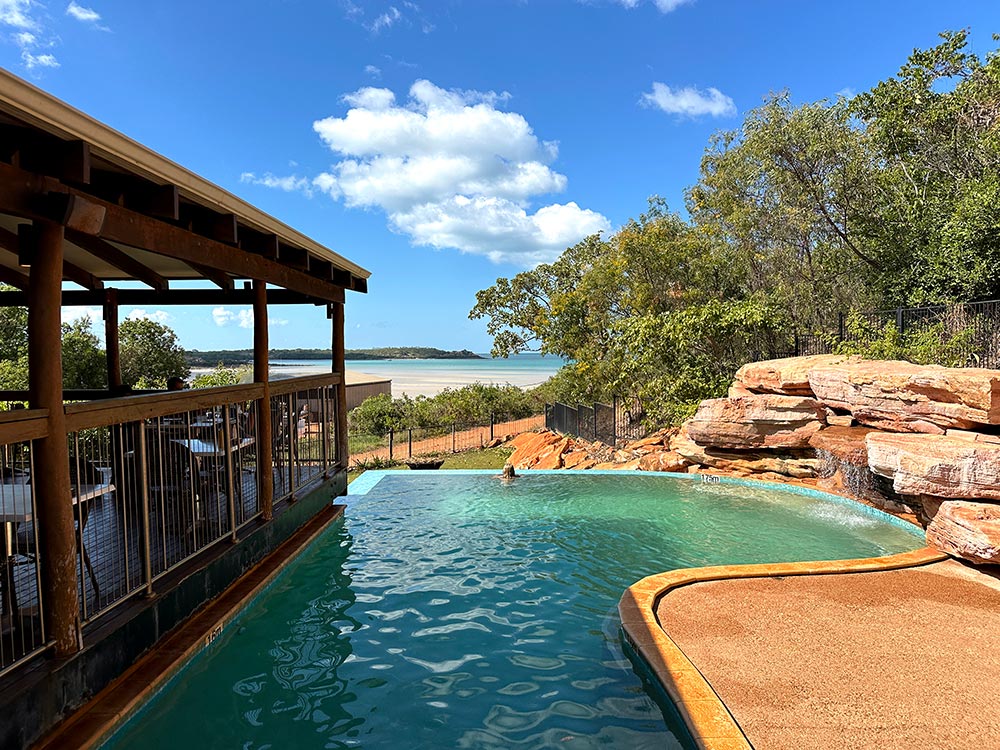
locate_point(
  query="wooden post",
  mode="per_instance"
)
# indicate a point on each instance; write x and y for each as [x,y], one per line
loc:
[57,539]
[265,467]
[111,340]
[337,316]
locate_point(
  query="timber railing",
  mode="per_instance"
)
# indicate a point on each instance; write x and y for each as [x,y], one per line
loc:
[155,480]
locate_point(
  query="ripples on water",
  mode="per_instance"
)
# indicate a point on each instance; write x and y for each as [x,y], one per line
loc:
[454,611]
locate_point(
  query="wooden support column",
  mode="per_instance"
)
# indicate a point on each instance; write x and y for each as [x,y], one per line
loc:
[50,477]
[337,317]
[260,375]
[111,340]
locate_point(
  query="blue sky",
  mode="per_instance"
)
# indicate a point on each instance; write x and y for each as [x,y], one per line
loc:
[443,144]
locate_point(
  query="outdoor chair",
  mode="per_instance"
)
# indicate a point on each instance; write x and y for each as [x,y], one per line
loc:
[25,545]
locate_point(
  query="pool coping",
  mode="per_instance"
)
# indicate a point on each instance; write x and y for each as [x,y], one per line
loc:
[708,719]
[96,721]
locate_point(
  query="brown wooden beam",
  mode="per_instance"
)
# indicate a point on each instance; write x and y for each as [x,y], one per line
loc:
[117,258]
[337,324]
[296,257]
[14,278]
[220,278]
[167,298]
[224,229]
[51,454]
[260,244]
[11,243]
[20,192]
[261,375]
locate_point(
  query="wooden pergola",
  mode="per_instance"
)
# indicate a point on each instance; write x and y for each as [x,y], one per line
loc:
[83,204]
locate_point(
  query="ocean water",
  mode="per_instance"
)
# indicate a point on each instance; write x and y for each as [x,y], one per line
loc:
[427,377]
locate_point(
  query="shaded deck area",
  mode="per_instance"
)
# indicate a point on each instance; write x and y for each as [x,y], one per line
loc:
[895,659]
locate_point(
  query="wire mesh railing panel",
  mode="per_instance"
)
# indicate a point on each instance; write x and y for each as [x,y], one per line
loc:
[151,493]
[309,409]
[22,631]
[282,431]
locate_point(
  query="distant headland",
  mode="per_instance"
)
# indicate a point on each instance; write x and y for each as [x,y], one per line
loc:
[231,357]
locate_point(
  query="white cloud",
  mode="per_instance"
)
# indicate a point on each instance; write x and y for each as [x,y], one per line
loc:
[80,13]
[664,6]
[689,101]
[158,316]
[288,184]
[373,70]
[243,318]
[451,170]
[17,13]
[32,61]
[385,20]
[70,314]
[222,316]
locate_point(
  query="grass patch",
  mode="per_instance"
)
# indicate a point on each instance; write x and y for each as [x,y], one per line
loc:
[487,458]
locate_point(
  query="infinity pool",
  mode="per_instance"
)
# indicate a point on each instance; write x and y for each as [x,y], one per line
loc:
[450,610]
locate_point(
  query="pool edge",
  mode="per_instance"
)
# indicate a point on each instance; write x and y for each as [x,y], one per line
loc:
[98,719]
[707,718]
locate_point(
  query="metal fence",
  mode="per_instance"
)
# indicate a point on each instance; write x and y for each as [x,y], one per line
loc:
[611,424]
[967,334]
[415,442]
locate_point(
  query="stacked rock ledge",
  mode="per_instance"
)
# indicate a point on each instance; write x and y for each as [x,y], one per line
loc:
[911,439]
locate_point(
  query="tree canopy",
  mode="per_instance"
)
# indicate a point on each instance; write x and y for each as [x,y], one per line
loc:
[804,212]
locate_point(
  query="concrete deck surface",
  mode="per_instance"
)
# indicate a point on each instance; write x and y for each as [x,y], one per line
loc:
[892,660]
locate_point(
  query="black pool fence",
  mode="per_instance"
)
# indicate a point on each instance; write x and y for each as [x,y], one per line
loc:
[968,333]
[611,424]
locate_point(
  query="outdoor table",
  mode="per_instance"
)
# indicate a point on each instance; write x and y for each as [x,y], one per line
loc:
[15,509]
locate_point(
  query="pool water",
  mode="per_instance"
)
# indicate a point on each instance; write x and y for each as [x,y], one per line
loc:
[450,610]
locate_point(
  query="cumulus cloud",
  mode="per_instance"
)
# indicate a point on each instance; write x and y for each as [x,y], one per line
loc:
[451,170]
[222,316]
[94,314]
[157,316]
[689,101]
[373,70]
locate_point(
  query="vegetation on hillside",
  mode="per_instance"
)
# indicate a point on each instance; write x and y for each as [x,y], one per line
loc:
[230,357]
[890,198]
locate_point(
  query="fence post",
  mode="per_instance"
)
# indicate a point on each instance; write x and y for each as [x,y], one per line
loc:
[227,437]
[409,439]
[595,422]
[391,434]
[899,319]
[453,437]
[841,328]
[492,421]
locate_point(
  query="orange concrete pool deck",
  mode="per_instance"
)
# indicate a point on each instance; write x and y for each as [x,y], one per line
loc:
[892,653]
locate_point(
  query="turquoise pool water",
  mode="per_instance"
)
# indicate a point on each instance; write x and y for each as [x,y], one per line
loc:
[448,610]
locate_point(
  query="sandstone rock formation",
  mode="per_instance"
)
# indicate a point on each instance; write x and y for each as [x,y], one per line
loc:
[758,421]
[787,463]
[789,376]
[936,465]
[904,397]
[968,530]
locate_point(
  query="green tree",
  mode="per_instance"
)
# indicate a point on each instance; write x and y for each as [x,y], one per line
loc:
[83,361]
[150,354]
